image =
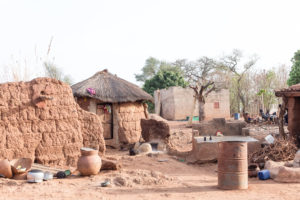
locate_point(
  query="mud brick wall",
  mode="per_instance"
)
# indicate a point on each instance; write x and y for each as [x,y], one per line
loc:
[293,106]
[84,103]
[227,127]
[156,129]
[40,120]
[129,117]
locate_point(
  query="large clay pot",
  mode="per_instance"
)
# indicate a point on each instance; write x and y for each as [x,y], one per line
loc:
[5,168]
[24,163]
[89,163]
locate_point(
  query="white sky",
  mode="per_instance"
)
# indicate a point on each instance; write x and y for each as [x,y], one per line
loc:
[120,35]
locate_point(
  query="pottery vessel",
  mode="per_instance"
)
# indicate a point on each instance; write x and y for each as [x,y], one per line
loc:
[24,163]
[89,163]
[5,168]
[22,176]
[253,170]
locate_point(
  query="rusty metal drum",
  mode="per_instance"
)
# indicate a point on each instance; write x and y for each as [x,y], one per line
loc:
[232,165]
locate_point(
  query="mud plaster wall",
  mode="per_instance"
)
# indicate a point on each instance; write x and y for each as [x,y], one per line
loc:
[40,120]
[126,120]
[294,116]
[177,103]
[129,121]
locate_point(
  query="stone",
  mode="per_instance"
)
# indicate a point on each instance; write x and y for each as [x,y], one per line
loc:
[273,167]
[155,128]
[144,148]
[120,181]
[110,164]
[288,175]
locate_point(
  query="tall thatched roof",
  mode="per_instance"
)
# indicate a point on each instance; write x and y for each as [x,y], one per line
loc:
[109,88]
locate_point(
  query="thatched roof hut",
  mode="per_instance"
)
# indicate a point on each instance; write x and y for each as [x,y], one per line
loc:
[119,104]
[110,88]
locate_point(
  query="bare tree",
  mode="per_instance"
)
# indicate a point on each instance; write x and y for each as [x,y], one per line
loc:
[200,74]
[232,63]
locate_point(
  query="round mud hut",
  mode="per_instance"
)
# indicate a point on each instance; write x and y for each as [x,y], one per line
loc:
[119,104]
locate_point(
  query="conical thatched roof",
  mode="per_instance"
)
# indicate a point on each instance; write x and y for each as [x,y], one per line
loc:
[110,88]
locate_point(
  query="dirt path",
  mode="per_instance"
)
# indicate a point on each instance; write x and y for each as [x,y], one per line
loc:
[144,177]
[151,177]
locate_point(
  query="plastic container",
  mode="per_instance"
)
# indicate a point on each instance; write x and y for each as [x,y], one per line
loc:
[236,116]
[48,176]
[264,174]
[195,118]
[270,139]
[35,176]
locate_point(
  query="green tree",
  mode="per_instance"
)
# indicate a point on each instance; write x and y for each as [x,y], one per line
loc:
[153,66]
[150,68]
[295,72]
[163,79]
[267,83]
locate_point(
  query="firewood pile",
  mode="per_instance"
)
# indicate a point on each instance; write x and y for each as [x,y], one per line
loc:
[280,150]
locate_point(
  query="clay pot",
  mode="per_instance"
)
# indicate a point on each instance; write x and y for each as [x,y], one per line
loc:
[89,163]
[253,170]
[22,176]
[25,164]
[5,168]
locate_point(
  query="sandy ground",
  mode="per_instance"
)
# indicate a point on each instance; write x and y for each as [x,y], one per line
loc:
[144,177]
[158,176]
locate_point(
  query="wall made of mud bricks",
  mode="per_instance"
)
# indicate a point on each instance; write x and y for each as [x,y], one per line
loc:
[129,117]
[40,120]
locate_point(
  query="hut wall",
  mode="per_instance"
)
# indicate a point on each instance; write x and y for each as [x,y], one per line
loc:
[128,116]
[83,103]
[87,104]
[294,116]
[126,120]
[40,120]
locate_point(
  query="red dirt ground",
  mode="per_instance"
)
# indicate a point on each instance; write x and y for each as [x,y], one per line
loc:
[149,177]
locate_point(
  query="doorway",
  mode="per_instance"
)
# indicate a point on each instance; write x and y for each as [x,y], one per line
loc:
[104,111]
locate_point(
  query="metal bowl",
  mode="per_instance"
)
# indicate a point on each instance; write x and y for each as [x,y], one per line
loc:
[35,176]
[48,176]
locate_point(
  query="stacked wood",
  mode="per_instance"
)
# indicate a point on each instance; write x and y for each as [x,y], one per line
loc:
[281,150]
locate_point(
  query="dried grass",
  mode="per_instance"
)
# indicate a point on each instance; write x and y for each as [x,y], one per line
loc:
[110,88]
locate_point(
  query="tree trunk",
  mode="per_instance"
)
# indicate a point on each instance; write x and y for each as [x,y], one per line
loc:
[157,103]
[241,97]
[192,112]
[201,110]
[280,118]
